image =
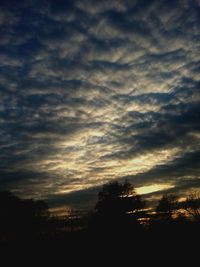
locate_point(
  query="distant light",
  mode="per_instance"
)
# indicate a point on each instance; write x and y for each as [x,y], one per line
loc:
[152,188]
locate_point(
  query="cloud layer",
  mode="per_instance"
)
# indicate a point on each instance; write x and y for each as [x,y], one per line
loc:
[97,90]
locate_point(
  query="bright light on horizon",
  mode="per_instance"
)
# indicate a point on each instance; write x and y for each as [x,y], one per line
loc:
[152,188]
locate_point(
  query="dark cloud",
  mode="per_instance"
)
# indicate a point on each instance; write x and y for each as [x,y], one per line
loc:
[94,91]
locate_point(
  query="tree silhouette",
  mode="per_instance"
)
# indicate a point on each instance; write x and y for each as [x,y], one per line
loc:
[22,218]
[117,208]
[116,219]
[119,199]
[167,205]
[192,206]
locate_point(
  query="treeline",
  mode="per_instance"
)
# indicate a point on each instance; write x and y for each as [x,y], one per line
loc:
[119,214]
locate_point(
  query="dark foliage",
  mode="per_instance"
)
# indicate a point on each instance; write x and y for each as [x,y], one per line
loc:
[167,205]
[22,219]
[114,225]
[117,211]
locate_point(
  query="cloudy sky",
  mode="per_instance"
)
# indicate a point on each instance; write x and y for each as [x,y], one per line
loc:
[92,91]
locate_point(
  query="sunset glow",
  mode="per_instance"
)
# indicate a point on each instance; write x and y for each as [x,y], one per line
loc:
[99,91]
[153,188]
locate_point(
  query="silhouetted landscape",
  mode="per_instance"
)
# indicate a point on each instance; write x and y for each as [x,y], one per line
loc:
[100,130]
[120,215]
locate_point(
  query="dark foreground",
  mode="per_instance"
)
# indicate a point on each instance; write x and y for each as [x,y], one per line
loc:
[119,230]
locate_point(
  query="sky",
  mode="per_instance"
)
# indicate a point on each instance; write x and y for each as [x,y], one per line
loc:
[95,91]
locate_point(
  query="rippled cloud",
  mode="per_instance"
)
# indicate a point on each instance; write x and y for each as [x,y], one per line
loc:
[95,91]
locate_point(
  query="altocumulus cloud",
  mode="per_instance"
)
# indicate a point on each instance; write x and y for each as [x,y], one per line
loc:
[92,91]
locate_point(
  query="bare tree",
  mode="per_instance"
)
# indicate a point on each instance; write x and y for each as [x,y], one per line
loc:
[167,205]
[192,205]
